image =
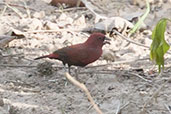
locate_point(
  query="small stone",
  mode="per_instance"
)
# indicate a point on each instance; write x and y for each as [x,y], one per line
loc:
[51,26]
[109,55]
[63,16]
[35,24]
[143,93]
[80,22]
[39,15]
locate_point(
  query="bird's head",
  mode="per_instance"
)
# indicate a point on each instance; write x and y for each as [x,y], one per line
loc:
[97,40]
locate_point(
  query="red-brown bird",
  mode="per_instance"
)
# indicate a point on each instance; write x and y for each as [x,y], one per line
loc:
[80,54]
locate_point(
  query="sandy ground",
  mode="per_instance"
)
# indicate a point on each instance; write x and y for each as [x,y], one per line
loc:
[123,78]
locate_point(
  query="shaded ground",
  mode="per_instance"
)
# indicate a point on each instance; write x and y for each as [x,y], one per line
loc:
[131,82]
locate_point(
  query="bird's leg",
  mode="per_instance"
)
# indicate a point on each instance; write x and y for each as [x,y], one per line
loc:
[77,71]
[64,66]
[69,70]
[66,83]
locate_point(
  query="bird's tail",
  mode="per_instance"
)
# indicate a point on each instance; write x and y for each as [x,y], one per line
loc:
[41,57]
[51,56]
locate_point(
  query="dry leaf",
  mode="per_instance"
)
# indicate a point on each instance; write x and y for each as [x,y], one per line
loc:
[51,26]
[118,23]
[70,3]
[4,40]
[17,33]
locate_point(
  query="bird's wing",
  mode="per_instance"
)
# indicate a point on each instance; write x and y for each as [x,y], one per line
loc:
[79,54]
[74,55]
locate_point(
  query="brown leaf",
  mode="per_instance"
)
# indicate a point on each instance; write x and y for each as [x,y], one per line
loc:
[71,3]
[17,33]
[4,40]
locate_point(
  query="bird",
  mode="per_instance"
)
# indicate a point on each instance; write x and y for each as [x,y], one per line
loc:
[80,54]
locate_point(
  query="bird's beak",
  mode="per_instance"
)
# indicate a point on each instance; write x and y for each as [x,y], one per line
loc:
[106,41]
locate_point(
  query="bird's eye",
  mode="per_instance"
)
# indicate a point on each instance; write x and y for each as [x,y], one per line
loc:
[100,38]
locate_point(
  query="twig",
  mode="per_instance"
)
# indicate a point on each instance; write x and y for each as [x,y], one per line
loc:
[90,107]
[124,105]
[27,9]
[83,87]
[140,77]
[8,65]
[129,40]
[44,31]
[121,107]
[15,10]
[13,55]
[3,11]
[71,9]
[98,72]
[16,5]
[54,80]
[167,108]
[118,109]
[133,42]
[117,62]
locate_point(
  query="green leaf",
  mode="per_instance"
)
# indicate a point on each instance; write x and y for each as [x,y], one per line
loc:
[159,45]
[140,21]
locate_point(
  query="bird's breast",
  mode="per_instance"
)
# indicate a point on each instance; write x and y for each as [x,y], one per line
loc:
[92,55]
